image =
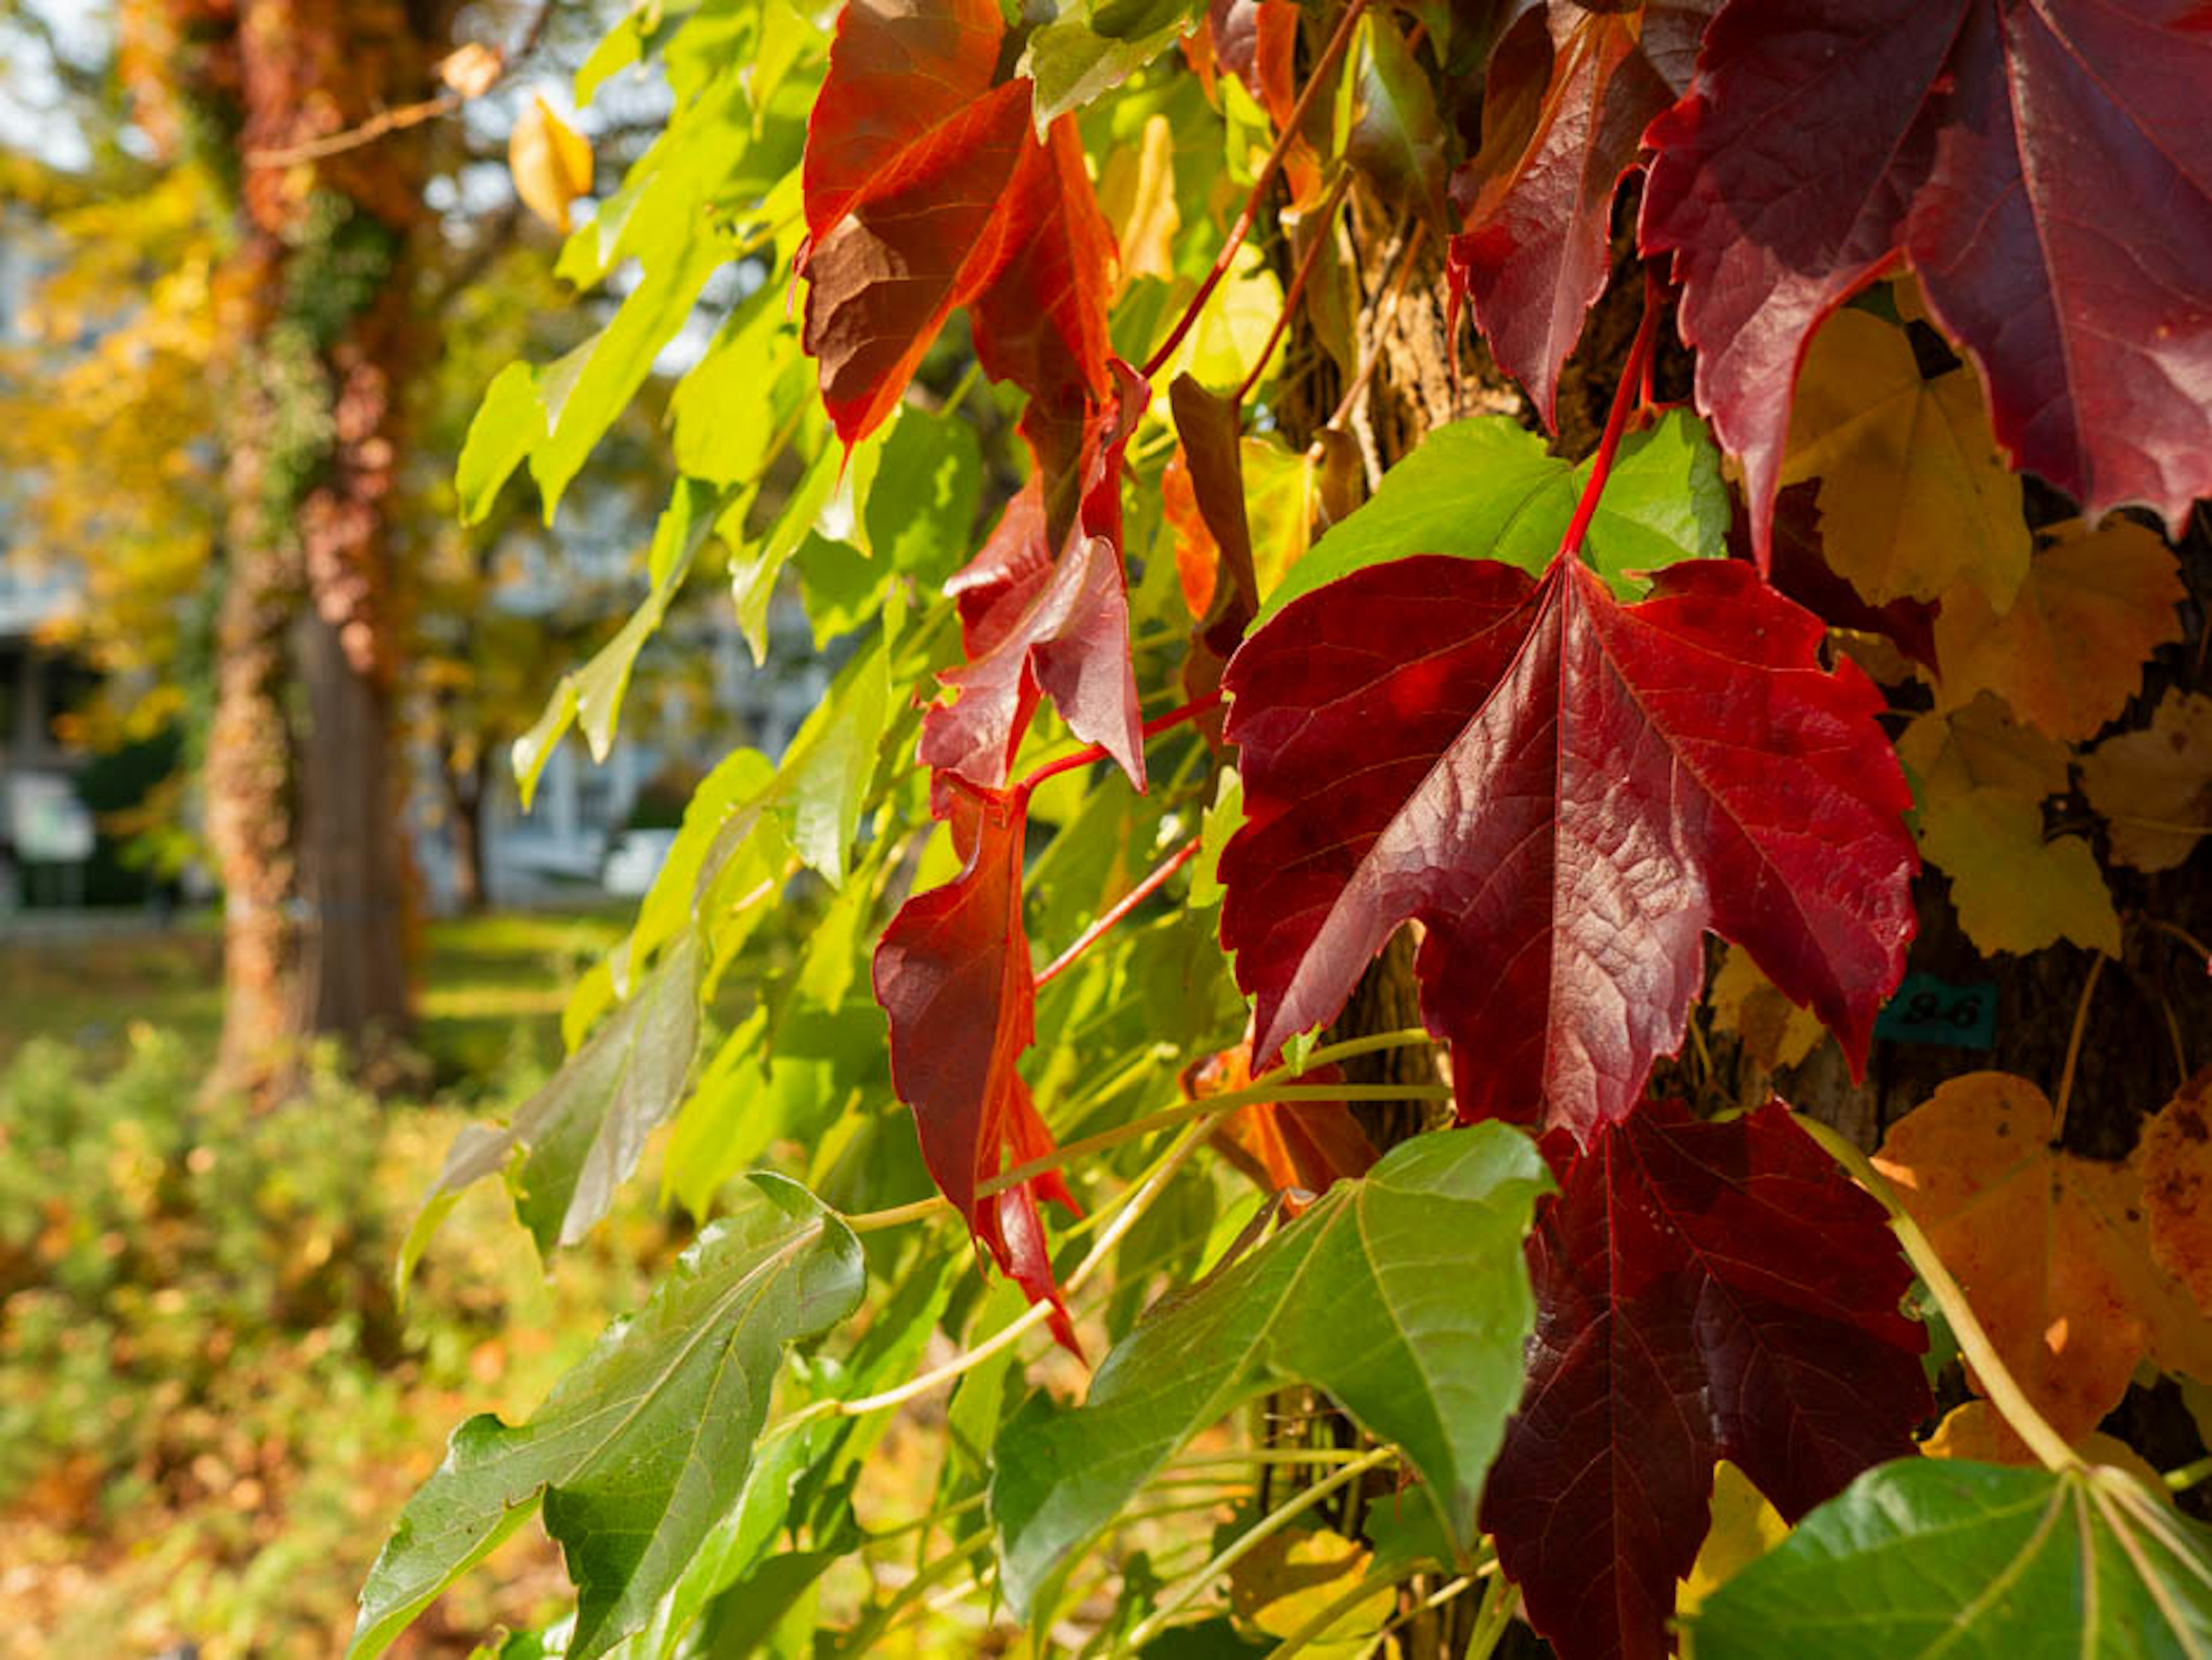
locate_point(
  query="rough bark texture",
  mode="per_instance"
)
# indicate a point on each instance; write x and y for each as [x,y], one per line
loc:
[304,778]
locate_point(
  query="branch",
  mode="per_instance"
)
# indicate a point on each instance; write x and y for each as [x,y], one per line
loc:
[403,116]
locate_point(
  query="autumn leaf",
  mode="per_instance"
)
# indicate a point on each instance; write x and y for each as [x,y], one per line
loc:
[1976,1431]
[2156,786]
[1571,89]
[1980,779]
[926,189]
[1035,622]
[1798,567]
[1297,1147]
[1914,496]
[952,972]
[2047,170]
[1774,1032]
[2053,1251]
[1704,1290]
[1566,792]
[2175,1155]
[2068,653]
[551,163]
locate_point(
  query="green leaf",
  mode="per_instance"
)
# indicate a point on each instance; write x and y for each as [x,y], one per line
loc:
[1930,1556]
[1396,138]
[921,509]
[646,1445]
[728,409]
[573,1143]
[1485,489]
[1088,50]
[822,782]
[592,695]
[509,424]
[1403,1295]
[753,569]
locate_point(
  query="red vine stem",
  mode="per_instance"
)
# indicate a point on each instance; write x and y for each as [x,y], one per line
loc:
[1120,908]
[1093,752]
[1268,169]
[1324,229]
[1626,397]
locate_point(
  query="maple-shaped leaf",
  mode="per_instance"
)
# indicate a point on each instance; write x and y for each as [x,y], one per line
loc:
[926,189]
[1980,779]
[1567,792]
[1571,88]
[1035,622]
[1703,1291]
[2154,787]
[2068,653]
[953,973]
[1913,494]
[2046,167]
[2053,1251]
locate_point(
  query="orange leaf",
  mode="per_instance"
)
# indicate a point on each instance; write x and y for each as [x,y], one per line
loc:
[550,162]
[2176,1152]
[2053,1251]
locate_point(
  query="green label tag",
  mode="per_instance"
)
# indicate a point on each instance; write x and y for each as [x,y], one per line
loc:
[1927,1010]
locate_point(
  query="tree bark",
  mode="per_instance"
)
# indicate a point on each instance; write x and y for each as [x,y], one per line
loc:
[305,778]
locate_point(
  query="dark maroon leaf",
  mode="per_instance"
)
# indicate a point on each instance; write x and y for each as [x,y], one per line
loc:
[1567,792]
[2045,166]
[1572,89]
[1703,1290]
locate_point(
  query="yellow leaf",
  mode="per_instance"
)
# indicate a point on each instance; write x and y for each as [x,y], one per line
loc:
[1976,1431]
[2156,786]
[2053,1251]
[550,162]
[1774,1032]
[2068,653]
[2176,1154]
[1136,193]
[1914,494]
[1978,776]
[1745,1528]
[1291,1576]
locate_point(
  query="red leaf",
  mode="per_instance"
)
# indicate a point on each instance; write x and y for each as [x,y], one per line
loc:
[1041,323]
[925,189]
[1567,792]
[898,70]
[1070,636]
[925,236]
[953,973]
[1703,1291]
[1572,89]
[2047,169]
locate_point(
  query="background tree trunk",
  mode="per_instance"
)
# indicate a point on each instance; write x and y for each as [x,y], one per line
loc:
[305,779]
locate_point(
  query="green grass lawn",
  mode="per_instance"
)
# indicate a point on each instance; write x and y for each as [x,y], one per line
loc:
[488,989]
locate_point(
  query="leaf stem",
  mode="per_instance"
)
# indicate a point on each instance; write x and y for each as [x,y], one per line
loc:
[1268,169]
[1324,218]
[2073,1050]
[2004,1390]
[1250,1540]
[1093,752]
[1626,397]
[1120,908]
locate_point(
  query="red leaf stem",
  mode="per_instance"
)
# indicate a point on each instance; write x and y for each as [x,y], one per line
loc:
[1629,394]
[1120,908]
[1268,169]
[1296,292]
[1093,752]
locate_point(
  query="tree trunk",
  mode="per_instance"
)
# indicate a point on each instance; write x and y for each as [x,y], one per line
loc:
[305,777]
